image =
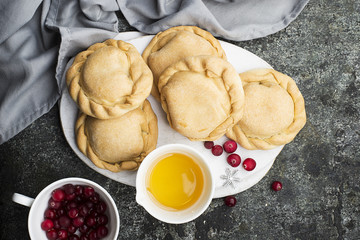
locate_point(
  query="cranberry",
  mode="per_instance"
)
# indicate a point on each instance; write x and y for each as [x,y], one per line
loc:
[230,146]
[208,144]
[58,195]
[84,237]
[95,198]
[78,221]
[50,213]
[102,219]
[47,224]
[71,229]
[276,186]
[217,150]
[79,189]
[73,213]
[101,231]
[90,221]
[64,221]
[89,204]
[249,164]
[54,204]
[69,188]
[70,197]
[230,201]
[88,191]
[61,212]
[84,228]
[62,234]
[93,235]
[234,160]
[101,207]
[57,224]
[84,210]
[52,234]
[74,237]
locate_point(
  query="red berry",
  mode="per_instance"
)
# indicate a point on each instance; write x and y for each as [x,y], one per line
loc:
[64,221]
[58,195]
[208,144]
[102,219]
[84,228]
[72,229]
[84,210]
[69,188]
[230,201]
[54,204]
[88,191]
[249,164]
[217,150]
[84,237]
[90,221]
[93,235]
[101,207]
[52,234]
[78,221]
[79,190]
[56,224]
[50,213]
[62,234]
[101,231]
[230,146]
[234,160]
[74,237]
[73,213]
[47,224]
[276,186]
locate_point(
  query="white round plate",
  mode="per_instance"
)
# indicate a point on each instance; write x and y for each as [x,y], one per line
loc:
[228,180]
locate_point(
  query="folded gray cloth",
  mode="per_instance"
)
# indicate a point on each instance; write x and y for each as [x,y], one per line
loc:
[37,39]
[231,19]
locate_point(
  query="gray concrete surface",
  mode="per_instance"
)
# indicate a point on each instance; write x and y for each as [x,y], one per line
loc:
[319,169]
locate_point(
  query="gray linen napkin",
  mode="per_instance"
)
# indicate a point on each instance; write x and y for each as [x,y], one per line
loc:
[38,38]
[231,19]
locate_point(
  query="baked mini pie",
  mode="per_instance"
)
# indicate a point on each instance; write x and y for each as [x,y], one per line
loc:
[274,110]
[176,43]
[109,79]
[119,143]
[202,97]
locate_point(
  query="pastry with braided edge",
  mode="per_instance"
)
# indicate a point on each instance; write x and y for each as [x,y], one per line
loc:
[176,43]
[109,79]
[202,97]
[274,110]
[119,143]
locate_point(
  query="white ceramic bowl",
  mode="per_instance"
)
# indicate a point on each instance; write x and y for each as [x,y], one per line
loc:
[175,217]
[40,203]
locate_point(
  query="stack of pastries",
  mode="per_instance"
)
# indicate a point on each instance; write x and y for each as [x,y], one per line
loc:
[204,98]
[116,127]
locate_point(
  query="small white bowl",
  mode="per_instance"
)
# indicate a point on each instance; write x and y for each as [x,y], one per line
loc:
[40,203]
[144,198]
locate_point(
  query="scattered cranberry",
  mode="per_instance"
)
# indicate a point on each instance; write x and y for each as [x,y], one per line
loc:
[47,224]
[230,201]
[58,195]
[234,160]
[249,164]
[276,186]
[230,146]
[217,150]
[208,144]
[52,234]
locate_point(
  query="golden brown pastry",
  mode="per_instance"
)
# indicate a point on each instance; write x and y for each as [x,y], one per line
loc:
[109,79]
[274,110]
[176,43]
[202,97]
[119,143]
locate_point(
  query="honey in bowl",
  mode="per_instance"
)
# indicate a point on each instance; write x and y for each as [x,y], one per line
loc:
[176,181]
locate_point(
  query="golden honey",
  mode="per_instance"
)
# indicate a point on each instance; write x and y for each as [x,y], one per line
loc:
[176,181]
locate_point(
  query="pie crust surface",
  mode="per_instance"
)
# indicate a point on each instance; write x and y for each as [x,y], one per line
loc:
[109,79]
[119,143]
[274,110]
[202,97]
[176,43]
